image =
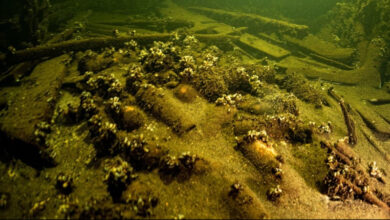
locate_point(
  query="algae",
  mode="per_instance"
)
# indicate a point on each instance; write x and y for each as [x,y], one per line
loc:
[155,110]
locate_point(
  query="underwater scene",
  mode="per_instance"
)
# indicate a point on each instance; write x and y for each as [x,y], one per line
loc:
[195,109]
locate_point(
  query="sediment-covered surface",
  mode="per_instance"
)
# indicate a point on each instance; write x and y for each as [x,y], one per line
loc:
[176,127]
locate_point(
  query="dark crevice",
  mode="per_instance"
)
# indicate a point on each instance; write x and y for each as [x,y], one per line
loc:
[29,154]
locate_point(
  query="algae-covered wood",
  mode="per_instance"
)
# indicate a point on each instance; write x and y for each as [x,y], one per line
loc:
[263,46]
[323,48]
[255,21]
[180,109]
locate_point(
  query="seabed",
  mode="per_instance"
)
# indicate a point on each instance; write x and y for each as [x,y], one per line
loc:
[193,118]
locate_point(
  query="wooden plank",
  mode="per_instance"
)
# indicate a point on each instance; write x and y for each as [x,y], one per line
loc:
[263,46]
[254,21]
[320,48]
[52,50]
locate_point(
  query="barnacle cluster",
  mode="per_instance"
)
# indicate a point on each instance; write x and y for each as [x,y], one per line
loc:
[337,188]
[114,106]
[257,86]
[95,123]
[238,194]
[241,71]
[190,41]
[187,161]
[142,156]
[187,67]
[169,166]
[159,57]
[135,77]
[37,208]
[244,204]
[181,167]
[166,63]
[209,61]
[142,204]
[288,126]
[343,180]
[238,78]
[231,100]
[104,135]
[235,189]
[256,135]
[277,171]
[274,193]
[107,133]
[187,62]
[42,129]
[257,147]
[119,174]
[87,106]
[325,128]
[187,74]
[256,80]
[105,85]
[374,171]
[116,33]
[132,45]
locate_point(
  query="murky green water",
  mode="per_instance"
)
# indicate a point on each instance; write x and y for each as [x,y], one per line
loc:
[195,109]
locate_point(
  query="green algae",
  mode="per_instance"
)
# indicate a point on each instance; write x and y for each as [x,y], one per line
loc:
[178,128]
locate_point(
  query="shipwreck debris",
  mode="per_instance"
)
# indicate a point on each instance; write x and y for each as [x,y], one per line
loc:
[350,124]
[347,180]
[119,174]
[142,155]
[132,117]
[346,109]
[244,203]
[256,22]
[162,105]
[180,168]
[257,147]
[273,194]
[368,74]
[57,49]
[34,103]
